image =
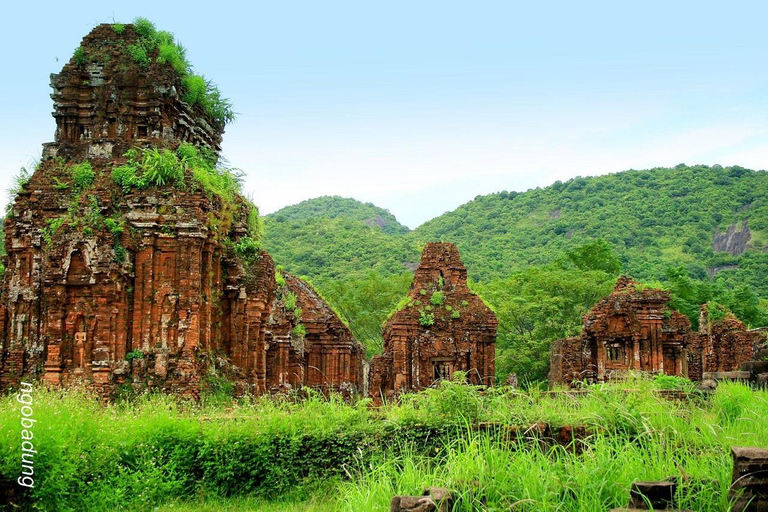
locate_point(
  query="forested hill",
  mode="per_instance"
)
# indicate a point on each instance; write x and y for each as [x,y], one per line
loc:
[332,207]
[338,238]
[652,219]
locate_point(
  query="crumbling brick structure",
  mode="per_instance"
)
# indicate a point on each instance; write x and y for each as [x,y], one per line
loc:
[443,328]
[104,102]
[111,285]
[636,330]
[308,345]
[723,345]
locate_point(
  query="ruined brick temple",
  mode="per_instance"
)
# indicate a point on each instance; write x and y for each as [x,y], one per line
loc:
[308,344]
[443,328]
[110,285]
[635,329]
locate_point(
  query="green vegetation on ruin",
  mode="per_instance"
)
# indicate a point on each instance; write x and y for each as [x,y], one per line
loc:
[186,168]
[161,47]
[155,167]
[293,454]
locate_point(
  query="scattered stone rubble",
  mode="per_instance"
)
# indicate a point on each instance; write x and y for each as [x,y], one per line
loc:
[636,330]
[749,487]
[434,499]
[652,496]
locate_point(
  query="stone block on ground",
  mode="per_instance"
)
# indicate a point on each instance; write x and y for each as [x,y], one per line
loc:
[434,499]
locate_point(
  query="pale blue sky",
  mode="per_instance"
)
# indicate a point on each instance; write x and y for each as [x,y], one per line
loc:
[420,106]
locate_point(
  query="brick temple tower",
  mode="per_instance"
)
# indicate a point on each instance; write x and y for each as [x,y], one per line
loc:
[443,328]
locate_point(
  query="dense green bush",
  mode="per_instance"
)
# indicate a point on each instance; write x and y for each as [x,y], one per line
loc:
[161,167]
[82,176]
[247,248]
[79,56]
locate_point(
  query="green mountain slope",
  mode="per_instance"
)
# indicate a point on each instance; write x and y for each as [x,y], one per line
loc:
[333,207]
[338,238]
[652,219]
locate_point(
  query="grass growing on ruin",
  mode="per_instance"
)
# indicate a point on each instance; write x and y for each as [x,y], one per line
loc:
[316,454]
[199,166]
[197,90]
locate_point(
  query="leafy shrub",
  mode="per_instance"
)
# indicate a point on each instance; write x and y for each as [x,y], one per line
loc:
[115,226]
[140,54]
[120,252]
[136,353]
[202,92]
[144,27]
[716,312]
[188,154]
[20,181]
[437,299]
[289,300]
[426,319]
[80,56]
[125,176]
[456,314]
[299,330]
[60,185]
[161,167]
[247,248]
[217,181]
[279,279]
[174,55]
[119,28]
[82,176]
[52,228]
[195,87]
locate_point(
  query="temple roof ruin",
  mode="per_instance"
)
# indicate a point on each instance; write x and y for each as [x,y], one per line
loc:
[442,328]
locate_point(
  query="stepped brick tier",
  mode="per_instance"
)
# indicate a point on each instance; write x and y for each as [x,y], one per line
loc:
[443,328]
[308,345]
[635,330]
[137,288]
[109,103]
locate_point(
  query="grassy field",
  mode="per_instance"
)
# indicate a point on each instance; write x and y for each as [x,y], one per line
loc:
[159,453]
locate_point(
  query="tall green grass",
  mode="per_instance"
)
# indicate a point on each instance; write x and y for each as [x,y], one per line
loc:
[321,454]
